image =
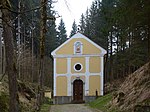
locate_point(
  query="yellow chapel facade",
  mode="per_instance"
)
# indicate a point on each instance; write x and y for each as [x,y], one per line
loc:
[78,70]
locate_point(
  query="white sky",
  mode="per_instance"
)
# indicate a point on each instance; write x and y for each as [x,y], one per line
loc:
[70,12]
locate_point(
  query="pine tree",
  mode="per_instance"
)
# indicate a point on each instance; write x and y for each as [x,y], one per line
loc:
[74,29]
[50,41]
[62,36]
[124,32]
[1,53]
[87,24]
[82,23]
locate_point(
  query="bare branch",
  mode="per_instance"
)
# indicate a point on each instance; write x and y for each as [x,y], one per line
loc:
[38,7]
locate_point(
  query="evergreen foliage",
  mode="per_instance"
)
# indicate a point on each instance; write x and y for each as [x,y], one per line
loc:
[82,23]
[62,36]
[74,29]
[50,41]
[122,28]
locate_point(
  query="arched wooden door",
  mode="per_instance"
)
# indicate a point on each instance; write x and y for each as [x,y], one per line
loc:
[78,91]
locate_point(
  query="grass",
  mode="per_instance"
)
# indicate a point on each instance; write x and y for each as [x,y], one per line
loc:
[102,103]
[45,108]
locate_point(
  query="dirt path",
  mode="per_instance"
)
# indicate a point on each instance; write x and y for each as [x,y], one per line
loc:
[72,108]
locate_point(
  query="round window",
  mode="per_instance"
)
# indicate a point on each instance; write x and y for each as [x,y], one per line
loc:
[78,67]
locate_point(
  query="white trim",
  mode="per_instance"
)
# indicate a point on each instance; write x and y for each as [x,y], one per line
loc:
[80,74]
[69,76]
[76,69]
[54,89]
[87,64]
[68,85]
[96,74]
[69,66]
[76,74]
[77,78]
[61,75]
[79,35]
[102,77]
[87,77]
[72,56]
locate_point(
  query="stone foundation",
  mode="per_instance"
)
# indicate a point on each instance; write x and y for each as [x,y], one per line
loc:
[68,99]
[62,99]
[89,98]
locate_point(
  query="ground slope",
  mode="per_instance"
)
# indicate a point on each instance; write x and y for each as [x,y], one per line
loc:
[134,93]
[26,96]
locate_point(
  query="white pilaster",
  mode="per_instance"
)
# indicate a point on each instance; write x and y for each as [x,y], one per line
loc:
[54,77]
[87,76]
[69,65]
[102,76]
[69,76]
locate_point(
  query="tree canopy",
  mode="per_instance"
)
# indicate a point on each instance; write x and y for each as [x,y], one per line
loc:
[74,29]
[61,34]
[122,28]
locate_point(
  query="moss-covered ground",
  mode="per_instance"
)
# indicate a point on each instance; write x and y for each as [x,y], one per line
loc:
[102,103]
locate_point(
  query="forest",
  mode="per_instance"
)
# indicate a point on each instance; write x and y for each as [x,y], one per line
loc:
[28,35]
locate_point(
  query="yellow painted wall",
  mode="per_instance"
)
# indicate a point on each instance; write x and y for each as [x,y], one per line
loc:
[61,65]
[88,48]
[61,86]
[77,60]
[94,64]
[74,77]
[94,84]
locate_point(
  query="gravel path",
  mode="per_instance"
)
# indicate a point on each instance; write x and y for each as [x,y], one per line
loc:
[72,108]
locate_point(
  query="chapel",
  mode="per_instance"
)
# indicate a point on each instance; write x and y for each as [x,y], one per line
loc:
[78,70]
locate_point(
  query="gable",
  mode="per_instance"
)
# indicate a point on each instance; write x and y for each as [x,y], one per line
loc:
[88,46]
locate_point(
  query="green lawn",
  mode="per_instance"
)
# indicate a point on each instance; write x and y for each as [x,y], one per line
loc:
[102,103]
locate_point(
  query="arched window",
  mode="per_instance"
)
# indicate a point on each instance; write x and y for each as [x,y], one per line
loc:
[78,47]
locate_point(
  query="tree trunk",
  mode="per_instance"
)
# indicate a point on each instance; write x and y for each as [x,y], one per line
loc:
[149,43]
[149,48]
[10,61]
[111,59]
[0,53]
[3,60]
[42,49]
[0,44]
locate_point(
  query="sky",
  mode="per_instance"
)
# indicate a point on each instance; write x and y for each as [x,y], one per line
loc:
[71,10]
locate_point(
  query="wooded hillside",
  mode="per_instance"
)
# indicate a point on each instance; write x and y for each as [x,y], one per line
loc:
[131,94]
[134,93]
